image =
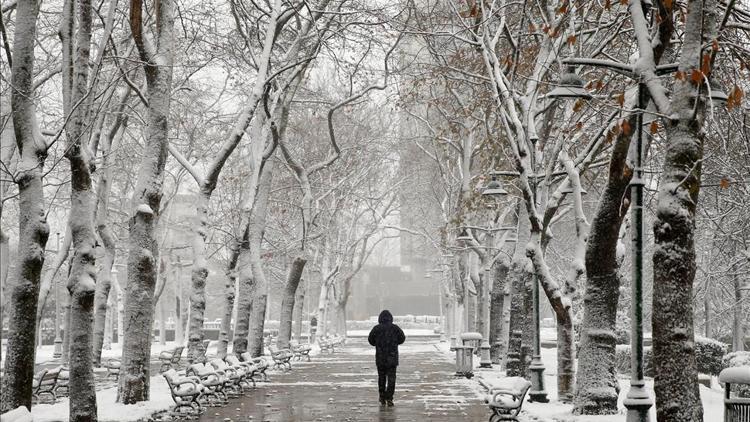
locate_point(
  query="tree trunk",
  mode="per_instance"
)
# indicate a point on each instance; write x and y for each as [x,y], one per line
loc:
[738,332]
[597,387]
[33,229]
[498,337]
[179,326]
[226,321]
[288,300]
[520,343]
[675,379]
[198,276]
[260,290]
[48,281]
[471,311]
[104,284]
[82,277]
[322,308]
[299,310]
[109,322]
[244,304]
[66,329]
[134,382]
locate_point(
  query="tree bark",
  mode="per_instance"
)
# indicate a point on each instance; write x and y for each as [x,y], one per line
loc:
[260,291]
[82,278]
[299,310]
[48,280]
[498,336]
[198,276]
[675,372]
[520,343]
[33,229]
[288,300]
[230,287]
[134,382]
[244,302]
[104,283]
[597,388]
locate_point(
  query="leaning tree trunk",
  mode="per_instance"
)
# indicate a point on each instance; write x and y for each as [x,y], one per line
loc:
[33,229]
[49,278]
[260,291]
[597,388]
[135,372]
[288,300]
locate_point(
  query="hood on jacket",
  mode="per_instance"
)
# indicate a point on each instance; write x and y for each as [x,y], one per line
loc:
[385,317]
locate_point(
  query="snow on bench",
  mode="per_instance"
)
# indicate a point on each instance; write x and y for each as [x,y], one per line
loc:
[505,397]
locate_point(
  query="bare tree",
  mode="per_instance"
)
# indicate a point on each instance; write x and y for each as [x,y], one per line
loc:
[157,59]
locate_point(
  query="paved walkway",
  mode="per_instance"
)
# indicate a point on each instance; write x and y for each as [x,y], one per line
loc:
[343,387]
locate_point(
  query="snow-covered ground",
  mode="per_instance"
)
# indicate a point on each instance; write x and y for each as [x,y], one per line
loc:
[555,411]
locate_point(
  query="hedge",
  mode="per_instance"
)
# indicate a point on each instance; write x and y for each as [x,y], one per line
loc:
[708,357]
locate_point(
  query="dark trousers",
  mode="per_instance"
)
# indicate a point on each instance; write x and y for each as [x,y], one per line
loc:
[386,382]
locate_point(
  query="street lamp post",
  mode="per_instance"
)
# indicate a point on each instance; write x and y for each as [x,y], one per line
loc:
[492,190]
[537,391]
[58,339]
[637,401]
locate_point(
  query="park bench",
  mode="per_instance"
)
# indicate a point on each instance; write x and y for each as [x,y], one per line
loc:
[200,357]
[260,363]
[281,358]
[300,351]
[736,409]
[213,380]
[169,358]
[327,344]
[186,393]
[505,397]
[233,375]
[250,369]
[113,367]
[19,414]
[45,383]
[63,382]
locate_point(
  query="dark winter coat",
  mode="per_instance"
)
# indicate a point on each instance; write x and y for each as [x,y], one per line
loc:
[386,336]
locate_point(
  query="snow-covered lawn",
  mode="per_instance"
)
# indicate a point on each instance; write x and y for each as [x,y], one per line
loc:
[555,411]
[108,409]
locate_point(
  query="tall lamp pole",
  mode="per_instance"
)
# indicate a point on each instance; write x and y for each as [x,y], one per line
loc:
[537,392]
[58,338]
[637,401]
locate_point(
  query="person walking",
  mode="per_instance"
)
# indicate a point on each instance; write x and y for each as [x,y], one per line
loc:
[386,336]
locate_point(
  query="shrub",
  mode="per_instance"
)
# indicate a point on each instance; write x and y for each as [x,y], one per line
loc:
[708,355]
[622,360]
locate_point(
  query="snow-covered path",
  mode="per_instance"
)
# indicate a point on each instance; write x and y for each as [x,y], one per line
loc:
[343,387]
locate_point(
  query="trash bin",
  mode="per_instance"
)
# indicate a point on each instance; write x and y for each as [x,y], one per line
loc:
[472,340]
[464,361]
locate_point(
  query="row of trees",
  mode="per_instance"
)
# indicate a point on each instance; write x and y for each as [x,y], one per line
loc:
[273,116]
[484,112]
[301,129]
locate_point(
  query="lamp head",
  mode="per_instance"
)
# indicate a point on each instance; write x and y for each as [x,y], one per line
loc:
[569,87]
[493,189]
